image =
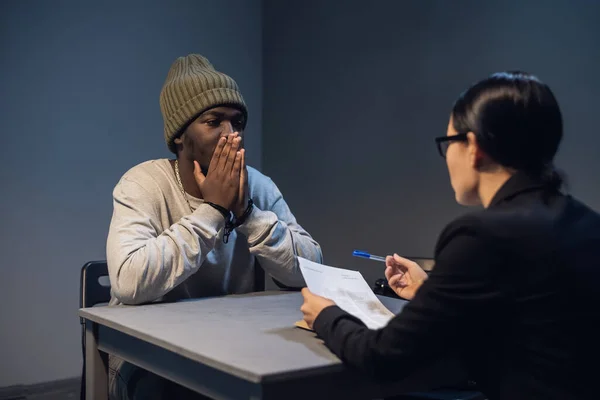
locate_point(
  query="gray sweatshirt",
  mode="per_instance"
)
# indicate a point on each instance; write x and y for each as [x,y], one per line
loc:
[158,250]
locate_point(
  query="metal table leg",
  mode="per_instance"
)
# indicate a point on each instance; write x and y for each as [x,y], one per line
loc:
[96,365]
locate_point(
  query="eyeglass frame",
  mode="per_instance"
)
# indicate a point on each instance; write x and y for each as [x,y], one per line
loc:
[443,142]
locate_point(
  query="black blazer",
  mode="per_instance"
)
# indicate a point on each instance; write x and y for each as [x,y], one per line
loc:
[514,292]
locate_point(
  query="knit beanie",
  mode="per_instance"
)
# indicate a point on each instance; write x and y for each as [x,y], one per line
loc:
[192,87]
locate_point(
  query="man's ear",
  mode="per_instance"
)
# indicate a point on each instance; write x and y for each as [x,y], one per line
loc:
[178,140]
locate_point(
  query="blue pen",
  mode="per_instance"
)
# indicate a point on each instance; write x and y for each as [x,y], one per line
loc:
[364,254]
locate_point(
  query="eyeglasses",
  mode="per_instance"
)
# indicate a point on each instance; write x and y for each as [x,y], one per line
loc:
[443,142]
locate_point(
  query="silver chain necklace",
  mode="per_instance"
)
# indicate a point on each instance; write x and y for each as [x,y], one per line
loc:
[181,185]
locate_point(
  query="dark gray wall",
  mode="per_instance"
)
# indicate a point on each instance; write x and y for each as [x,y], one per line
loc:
[79,86]
[355,91]
[354,94]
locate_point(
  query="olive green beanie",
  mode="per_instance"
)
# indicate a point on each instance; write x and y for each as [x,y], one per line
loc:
[192,87]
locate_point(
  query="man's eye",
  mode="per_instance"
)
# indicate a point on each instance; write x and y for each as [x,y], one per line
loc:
[238,124]
[213,122]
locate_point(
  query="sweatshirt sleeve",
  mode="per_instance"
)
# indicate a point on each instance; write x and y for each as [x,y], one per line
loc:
[144,264]
[275,237]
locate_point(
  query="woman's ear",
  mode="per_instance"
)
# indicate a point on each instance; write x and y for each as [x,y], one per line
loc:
[478,158]
[475,153]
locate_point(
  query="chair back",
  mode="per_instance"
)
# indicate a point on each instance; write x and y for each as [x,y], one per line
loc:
[94,289]
[94,284]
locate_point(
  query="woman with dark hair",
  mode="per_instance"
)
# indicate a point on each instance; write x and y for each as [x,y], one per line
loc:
[513,288]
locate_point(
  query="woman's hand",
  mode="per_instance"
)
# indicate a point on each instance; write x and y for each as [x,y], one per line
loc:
[404,276]
[313,305]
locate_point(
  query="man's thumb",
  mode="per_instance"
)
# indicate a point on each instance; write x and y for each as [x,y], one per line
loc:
[198,173]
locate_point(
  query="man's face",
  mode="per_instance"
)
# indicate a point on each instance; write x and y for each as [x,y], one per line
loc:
[199,140]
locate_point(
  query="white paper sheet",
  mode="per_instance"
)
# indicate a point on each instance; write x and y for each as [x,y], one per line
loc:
[348,289]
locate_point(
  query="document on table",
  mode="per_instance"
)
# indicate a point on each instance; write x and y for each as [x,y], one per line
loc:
[348,289]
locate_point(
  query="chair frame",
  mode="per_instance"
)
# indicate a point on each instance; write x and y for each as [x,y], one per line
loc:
[91,293]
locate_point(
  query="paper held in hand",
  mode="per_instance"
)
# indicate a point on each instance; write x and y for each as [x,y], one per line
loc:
[348,289]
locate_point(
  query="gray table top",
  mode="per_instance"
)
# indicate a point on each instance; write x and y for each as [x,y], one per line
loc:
[250,336]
